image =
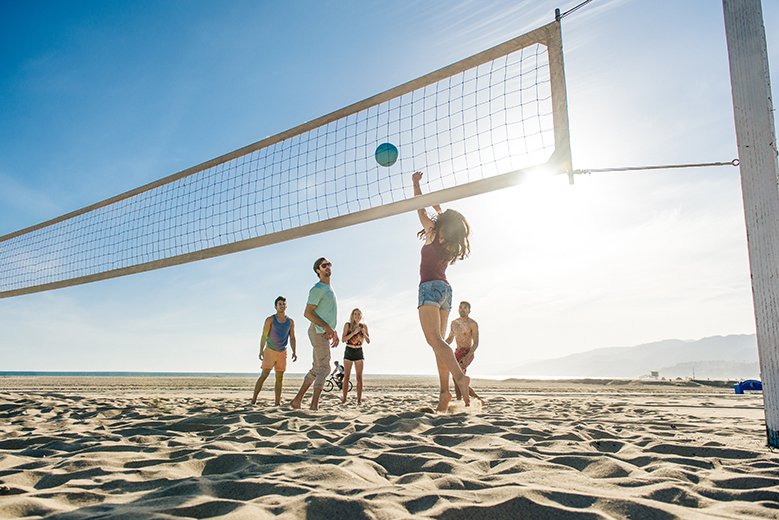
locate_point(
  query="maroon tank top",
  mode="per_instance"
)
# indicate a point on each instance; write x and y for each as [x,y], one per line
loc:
[434,262]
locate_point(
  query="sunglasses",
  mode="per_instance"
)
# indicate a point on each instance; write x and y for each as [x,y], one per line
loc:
[325,265]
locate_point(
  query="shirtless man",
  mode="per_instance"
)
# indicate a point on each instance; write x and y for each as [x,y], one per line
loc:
[466,331]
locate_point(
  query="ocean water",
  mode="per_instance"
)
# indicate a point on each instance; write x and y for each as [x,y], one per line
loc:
[26,373]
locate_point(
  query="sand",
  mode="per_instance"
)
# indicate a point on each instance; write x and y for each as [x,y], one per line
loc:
[194,447]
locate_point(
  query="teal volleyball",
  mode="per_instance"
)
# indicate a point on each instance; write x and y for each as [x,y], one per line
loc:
[386,154]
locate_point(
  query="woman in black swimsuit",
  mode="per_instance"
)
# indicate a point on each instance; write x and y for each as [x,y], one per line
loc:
[355,333]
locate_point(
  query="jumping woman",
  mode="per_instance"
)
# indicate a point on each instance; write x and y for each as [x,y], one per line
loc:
[446,241]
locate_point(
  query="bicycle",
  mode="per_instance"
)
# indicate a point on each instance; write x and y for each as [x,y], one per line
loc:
[331,382]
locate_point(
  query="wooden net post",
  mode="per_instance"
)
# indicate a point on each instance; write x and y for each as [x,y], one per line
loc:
[757,154]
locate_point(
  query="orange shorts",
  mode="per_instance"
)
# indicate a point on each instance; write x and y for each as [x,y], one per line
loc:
[274,359]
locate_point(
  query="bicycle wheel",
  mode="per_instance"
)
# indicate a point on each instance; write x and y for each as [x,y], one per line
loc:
[350,386]
[328,385]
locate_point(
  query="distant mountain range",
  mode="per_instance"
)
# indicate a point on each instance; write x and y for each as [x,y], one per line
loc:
[715,357]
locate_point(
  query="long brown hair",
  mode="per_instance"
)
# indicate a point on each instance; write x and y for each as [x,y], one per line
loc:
[455,231]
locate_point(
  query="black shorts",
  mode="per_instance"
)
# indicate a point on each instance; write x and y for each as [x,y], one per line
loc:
[353,354]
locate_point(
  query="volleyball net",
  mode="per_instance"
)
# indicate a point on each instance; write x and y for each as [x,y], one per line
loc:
[475,126]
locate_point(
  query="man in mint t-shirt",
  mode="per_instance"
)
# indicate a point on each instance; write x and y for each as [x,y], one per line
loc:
[321,310]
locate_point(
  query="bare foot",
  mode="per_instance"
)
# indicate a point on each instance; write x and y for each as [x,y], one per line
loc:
[295,403]
[277,403]
[464,386]
[443,401]
[313,408]
[253,401]
[343,401]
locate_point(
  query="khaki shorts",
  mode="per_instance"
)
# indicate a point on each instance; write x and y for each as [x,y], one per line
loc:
[320,368]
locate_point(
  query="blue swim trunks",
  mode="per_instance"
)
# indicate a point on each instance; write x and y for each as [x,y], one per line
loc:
[437,293]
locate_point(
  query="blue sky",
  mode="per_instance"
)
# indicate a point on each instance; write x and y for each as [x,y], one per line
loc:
[99,97]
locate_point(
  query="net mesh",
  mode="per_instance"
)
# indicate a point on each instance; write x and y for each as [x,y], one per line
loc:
[481,122]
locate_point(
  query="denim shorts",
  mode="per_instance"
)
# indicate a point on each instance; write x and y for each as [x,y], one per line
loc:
[437,293]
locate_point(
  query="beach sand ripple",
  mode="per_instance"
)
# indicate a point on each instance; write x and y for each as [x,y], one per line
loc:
[194,448]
